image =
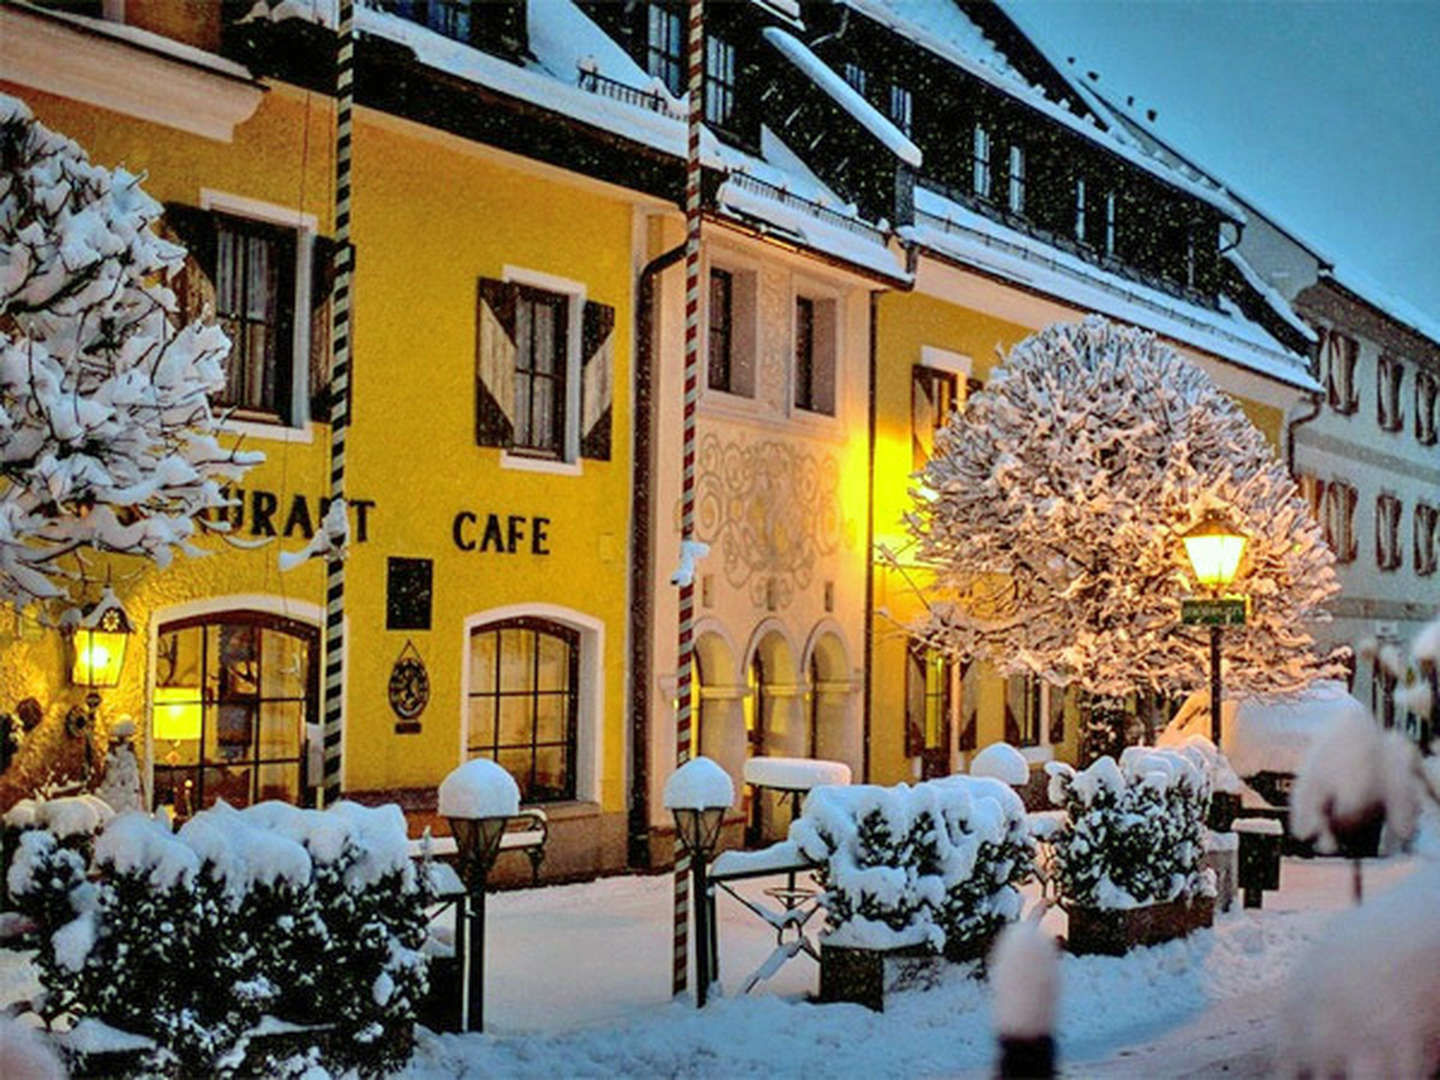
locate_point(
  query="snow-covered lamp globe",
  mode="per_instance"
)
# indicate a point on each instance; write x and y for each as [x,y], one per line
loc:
[478,799]
[1214,550]
[698,794]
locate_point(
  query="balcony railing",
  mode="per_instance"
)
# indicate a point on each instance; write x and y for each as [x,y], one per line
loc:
[593,81]
[809,206]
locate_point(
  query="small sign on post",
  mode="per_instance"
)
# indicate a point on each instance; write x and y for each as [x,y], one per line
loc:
[1226,611]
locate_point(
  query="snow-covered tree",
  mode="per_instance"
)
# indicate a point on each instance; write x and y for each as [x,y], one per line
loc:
[1053,509]
[107,439]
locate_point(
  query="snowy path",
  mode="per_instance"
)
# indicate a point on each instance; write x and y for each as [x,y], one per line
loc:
[579,988]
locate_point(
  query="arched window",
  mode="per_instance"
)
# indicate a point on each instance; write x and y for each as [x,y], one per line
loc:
[233,693]
[524,682]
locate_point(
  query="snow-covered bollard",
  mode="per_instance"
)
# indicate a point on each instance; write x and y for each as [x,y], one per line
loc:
[478,799]
[1025,975]
[698,794]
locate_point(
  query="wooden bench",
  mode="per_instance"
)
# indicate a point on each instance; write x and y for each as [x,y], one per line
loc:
[527,831]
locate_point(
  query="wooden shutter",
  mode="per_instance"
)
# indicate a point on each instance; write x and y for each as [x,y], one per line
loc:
[597,380]
[914,698]
[322,317]
[1015,688]
[195,287]
[495,363]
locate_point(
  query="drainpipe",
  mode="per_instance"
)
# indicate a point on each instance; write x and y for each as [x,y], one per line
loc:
[870,541]
[1291,425]
[641,591]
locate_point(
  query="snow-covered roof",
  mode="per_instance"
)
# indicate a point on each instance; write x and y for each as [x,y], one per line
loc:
[1271,297]
[957,232]
[1400,310]
[945,30]
[844,95]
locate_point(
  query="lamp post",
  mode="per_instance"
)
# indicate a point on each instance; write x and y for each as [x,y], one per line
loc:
[1215,551]
[98,642]
[698,794]
[478,799]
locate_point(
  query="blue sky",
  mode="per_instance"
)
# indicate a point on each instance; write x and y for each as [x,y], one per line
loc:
[1325,112]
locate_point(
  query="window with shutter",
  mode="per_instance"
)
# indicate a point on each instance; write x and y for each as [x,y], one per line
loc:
[1426,519]
[1387,532]
[933,397]
[597,380]
[1427,407]
[1388,377]
[1341,355]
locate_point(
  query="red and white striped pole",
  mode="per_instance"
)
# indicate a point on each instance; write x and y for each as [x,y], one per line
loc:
[333,689]
[695,57]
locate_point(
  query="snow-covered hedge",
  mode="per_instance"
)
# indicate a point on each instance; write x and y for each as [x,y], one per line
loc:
[934,865]
[1134,832]
[190,939]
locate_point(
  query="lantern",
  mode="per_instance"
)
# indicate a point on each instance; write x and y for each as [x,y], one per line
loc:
[1215,550]
[99,644]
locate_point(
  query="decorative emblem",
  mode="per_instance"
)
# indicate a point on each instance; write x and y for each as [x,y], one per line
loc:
[409,684]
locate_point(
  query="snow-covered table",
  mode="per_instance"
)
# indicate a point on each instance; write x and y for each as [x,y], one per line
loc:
[795,777]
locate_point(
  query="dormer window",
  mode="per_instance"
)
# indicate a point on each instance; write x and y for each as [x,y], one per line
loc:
[665,47]
[719,82]
[1080,209]
[1110,223]
[980,159]
[902,107]
[857,77]
[1017,179]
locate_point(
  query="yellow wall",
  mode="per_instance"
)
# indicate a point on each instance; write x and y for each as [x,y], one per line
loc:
[429,219]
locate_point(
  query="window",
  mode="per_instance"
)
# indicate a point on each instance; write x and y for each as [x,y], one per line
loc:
[929,678]
[524,693]
[1110,223]
[934,395]
[540,350]
[902,107]
[980,162]
[1339,519]
[1312,490]
[815,355]
[1389,376]
[1080,209]
[1426,518]
[1388,555]
[1427,410]
[233,693]
[255,305]
[857,77]
[722,294]
[719,81]
[1024,710]
[1017,180]
[665,47]
[1382,689]
[1340,354]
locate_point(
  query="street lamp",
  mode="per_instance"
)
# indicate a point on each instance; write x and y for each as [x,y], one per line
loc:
[479,798]
[1215,550]
[698,794]
[98,643]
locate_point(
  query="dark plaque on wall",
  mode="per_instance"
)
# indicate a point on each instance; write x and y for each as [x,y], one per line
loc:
[409,689]
[408,588]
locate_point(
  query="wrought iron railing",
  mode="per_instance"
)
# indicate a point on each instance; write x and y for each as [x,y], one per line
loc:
[809,206]
[593,81]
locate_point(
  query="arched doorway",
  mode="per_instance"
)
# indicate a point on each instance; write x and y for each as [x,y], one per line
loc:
[718,706]
[775,720]
[832,721]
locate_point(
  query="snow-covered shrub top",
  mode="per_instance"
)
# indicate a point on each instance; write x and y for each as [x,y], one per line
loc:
[699,784]
[1356,770]
[924,865]
[1003,762]
[75,815]
[1053,508]
[1134,832]
[478,789]
[107,440]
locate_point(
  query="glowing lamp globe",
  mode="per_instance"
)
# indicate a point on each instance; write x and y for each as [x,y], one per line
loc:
[99,643]
[1215,551]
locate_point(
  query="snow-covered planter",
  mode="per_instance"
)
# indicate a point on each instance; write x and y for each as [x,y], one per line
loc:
[191,940]
[1128,857]
[929,869]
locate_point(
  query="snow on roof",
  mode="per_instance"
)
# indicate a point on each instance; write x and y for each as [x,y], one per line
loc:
[844,95]
[953,230]
[945,30]
[1400,310]
[1273,298]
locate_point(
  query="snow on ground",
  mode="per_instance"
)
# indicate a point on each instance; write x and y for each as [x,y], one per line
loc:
[578,985]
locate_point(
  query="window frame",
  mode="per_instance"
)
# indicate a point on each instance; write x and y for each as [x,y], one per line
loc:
[1426,534]
[1080,212]
[1389,401]
[1111,221]
[1427,407]
[1338,524]
[553,446]
[662,21]
[1039,705]
[826,316]
[1015,179]
[901,109]
[299,427]
[1342,391]
[719,274]
[981,163]
[570,463]
[1389,554]
[720,91]
[856,77]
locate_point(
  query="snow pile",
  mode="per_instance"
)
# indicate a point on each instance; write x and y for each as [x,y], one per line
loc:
[1003,762]
[107,440]
[73,816]
[936,864]
[1362,1002]
[699,784]
[1025,973]
[479,789]
[189,939]
[1356,776]
[1134,832]
[24,1055]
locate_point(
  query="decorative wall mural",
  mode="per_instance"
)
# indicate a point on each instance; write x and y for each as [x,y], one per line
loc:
[770,511]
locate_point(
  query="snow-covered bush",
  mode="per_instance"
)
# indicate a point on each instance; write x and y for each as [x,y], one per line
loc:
[189,939]
[1134,832]
[107,440]
[1053,509]
[933,865]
